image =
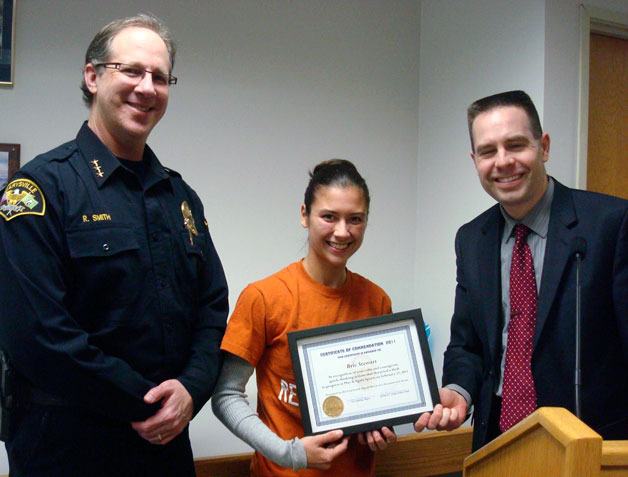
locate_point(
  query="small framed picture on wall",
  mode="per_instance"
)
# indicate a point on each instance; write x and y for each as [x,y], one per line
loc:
[7,41]
[9,161]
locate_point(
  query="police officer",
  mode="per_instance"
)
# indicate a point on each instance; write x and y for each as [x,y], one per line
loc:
[114,300]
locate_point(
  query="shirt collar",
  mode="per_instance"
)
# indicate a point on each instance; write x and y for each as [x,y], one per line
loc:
[537,219]
[156,172]
[102,163]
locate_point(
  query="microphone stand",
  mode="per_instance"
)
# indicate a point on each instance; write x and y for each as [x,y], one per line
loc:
[577,380]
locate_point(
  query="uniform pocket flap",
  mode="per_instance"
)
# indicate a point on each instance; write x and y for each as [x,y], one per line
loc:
[196,245]
[101,242]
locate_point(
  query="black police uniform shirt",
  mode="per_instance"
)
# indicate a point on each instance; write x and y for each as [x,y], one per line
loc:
[110,284]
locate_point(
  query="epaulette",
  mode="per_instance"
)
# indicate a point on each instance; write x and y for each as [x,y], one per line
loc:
[59,153]
[171,173]
[62,152]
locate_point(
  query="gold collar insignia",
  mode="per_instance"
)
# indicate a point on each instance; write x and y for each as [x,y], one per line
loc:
[97,168]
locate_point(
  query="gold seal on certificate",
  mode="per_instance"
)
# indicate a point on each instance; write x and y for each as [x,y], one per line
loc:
[333,406]
[363,374]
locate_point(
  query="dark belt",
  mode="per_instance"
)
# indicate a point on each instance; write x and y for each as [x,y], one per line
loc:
[31,395]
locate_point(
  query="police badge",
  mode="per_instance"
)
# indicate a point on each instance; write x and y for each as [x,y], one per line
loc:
[188,221]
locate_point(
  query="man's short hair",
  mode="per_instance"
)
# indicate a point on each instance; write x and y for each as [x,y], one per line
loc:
[516,98]
[99,49]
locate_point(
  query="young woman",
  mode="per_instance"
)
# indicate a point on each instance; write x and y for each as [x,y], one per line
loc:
[316,291]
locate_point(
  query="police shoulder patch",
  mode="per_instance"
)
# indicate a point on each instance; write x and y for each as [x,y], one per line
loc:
[22,197]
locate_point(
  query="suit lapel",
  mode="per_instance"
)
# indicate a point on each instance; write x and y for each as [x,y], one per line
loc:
[490,275]
[557,252]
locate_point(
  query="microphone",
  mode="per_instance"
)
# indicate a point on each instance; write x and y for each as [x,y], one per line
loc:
[578,251]
[579,247]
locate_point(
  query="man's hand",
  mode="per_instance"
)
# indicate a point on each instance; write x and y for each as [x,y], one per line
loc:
[446,416]
[378,439]
[321,450]
[175,413]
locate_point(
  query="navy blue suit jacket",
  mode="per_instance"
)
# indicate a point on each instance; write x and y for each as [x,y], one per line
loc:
[472,359]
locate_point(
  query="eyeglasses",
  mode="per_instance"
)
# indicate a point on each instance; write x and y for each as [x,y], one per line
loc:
[137,73]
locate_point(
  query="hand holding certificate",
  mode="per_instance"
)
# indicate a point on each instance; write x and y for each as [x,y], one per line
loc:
[364,374]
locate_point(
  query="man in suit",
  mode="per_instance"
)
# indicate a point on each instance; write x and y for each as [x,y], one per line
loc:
[492,363]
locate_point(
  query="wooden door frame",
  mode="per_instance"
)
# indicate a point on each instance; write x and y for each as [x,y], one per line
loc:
[592,20]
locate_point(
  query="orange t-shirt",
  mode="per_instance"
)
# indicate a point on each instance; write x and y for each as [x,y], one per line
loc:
[257,332]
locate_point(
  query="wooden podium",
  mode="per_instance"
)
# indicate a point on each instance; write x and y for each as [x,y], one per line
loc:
[550,442]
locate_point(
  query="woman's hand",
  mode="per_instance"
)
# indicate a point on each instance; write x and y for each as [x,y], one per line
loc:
[321,450]
[378,439]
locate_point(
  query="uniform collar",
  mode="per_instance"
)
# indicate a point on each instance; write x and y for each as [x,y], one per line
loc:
[102,163]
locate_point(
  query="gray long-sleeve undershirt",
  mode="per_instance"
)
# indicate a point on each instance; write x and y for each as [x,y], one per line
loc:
[230,405]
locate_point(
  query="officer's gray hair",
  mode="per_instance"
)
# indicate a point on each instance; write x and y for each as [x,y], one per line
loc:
[99,49]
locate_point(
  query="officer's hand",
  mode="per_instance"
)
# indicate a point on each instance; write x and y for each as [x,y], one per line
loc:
[321,450]
[175,413]
[378,439]
[447,416]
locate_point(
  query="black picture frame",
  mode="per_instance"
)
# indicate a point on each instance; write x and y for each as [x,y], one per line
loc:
[9,162]
[339,345]
[7,41]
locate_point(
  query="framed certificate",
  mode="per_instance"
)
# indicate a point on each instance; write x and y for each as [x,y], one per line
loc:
[364,374]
